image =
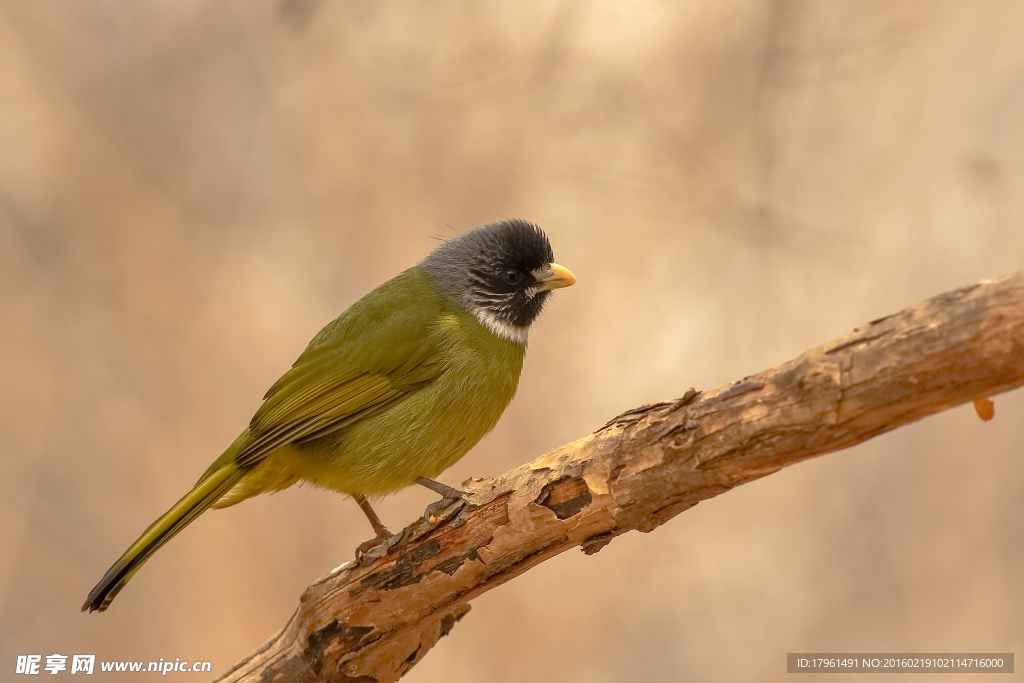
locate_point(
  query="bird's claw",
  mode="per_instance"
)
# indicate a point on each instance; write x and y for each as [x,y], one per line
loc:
[375,548]
[435,512]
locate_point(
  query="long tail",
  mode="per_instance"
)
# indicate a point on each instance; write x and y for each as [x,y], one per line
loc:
[207,491]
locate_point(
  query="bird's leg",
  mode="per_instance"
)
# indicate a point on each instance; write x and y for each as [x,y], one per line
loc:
[437,487]
[378,527]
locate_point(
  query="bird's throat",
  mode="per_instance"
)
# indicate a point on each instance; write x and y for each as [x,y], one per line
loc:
[505,330]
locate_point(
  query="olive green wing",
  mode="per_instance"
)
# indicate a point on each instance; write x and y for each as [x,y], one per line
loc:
[379,351]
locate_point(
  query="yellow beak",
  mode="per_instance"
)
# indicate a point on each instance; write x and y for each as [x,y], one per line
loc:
[554,277]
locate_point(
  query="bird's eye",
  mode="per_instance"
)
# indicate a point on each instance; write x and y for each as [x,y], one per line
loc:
[512,277]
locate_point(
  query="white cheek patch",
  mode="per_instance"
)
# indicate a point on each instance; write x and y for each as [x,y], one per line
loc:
[533,291]
[501,328]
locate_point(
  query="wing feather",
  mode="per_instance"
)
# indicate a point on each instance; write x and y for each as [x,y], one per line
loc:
[382,349]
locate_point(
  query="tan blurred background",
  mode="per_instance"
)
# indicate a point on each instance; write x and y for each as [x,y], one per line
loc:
[189,190]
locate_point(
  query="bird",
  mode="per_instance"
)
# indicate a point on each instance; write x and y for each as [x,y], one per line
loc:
[391,393]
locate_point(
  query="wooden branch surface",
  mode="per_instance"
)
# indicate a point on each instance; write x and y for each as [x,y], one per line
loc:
[374,621]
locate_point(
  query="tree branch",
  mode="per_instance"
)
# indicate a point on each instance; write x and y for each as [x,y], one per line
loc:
[373,621]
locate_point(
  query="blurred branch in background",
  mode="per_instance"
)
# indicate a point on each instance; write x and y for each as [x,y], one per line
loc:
[373,620]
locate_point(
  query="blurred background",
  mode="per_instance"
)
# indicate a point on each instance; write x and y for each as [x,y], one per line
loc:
[189,190]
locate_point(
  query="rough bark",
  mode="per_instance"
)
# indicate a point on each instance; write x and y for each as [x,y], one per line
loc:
[373,621]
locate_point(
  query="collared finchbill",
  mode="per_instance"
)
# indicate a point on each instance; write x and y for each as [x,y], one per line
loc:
[554,277]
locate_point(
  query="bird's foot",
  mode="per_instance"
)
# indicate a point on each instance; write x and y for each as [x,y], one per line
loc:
[449,496]
[367,551]
[443,509]
[376,547]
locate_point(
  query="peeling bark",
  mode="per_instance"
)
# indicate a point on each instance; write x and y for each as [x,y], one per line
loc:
[373,621]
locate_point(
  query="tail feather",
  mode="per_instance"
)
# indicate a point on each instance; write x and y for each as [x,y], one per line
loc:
[207,491]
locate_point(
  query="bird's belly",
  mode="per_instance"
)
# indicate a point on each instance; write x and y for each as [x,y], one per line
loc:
[420,436]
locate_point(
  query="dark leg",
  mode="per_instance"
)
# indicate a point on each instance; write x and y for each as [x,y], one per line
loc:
[378,527]
[438,487]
